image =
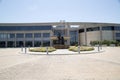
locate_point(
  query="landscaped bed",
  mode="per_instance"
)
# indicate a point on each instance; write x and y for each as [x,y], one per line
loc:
[82,48]
[42,49]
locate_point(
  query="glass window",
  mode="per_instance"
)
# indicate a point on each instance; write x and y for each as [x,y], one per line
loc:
[117,28]
[3,36]
[93,29]
[28,35]
[81,30]
[25,28]
[46,35]
[108,28]
[11,44]
[28,43]
[2,43]
[37,35]
[61,32]
[37,43]
[46,43]
[117,34]
[20,35]
[11,35]
[19,43]
[73,37]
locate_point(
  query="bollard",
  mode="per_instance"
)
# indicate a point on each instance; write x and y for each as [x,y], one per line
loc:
[47,50]
[21,49]
[98,48]
[101,47]
[79,49]
[25,50]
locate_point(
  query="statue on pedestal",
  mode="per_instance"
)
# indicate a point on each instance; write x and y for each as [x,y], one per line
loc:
[60,39]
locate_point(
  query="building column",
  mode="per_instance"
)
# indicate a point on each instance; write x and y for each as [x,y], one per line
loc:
[79,43]
[33,39]
[100,33]
[51,41]
[85,31]
[68,35]
[6,39]
[15,40]
[41,39]
[24,40]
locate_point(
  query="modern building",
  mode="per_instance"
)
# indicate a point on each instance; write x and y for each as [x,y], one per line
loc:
[45,34]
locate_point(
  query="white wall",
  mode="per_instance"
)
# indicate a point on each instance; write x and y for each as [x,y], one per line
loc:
[107,35]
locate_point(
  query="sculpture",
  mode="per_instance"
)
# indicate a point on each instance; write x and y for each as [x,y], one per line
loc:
[60,39]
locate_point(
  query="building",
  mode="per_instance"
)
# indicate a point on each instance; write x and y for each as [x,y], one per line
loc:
[45,34]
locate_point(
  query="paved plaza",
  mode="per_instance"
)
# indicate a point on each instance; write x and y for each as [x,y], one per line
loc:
[60,65]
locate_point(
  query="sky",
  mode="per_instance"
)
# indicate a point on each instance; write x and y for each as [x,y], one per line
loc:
[27,11]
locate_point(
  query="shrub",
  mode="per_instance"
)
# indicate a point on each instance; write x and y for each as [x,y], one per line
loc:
[42,49]
[104,42]
[82,48]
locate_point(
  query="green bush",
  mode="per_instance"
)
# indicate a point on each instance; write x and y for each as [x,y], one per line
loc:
[82,48]
[104,42]
[42,49]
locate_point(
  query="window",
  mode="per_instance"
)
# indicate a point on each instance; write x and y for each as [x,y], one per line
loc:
[2,43]
[37,43]
[28,43]
[93,29]
[28,35]
[25,28]
[37,35]
[11,44]
[81,30]
[20,35]
[11,35]
[46,43]
[117,28]
[117,34]
[73,37]
[61,32]
[108,28]
[3,36]
[46,35]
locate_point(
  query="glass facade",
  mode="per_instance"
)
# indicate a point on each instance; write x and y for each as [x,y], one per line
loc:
[73,37]
[46,43]
[11,35]
[81,30]
[2,43]
[28,43]
[19,35]
[108,28]
[28,35]
[25,28]
[3,36]
[19,43]
[46,35]
[11,44]
[37,35]
[117,34]
[93,29]
[37,43]
[62,32]
[117,28]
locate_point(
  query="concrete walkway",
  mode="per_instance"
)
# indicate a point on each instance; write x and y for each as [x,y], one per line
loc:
[97,66]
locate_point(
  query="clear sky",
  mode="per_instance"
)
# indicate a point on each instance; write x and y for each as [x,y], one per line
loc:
[21,11]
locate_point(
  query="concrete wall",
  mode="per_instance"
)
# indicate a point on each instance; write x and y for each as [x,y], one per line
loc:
[107,35]
[91,36]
